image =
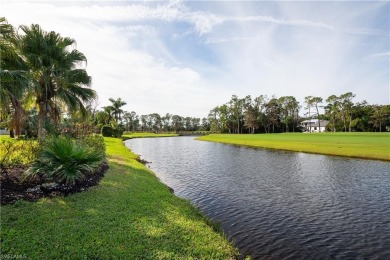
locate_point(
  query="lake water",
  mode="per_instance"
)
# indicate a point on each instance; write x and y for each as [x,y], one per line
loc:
[280,205]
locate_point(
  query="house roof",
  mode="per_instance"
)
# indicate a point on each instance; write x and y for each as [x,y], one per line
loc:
[323,123]
[314,123]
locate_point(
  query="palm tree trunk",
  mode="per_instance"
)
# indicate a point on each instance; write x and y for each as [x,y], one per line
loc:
[310,121]
[16,118]
[319,121]
[41,119]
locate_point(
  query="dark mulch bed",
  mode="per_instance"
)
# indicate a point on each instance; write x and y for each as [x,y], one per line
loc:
[13,188]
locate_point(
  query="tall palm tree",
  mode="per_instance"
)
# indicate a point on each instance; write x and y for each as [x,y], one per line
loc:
[56,77]
[116,108]
[13,81]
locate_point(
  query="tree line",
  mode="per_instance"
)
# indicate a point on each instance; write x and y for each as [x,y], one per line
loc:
[45,87]
[115,116]
[274,115]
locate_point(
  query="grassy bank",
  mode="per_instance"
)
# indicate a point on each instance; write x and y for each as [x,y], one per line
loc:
[129,215]
[359,145]
[145,135]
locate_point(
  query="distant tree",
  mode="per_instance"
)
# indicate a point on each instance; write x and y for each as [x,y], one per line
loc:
[205,124]
[346,109]
[260,104]
[288,109]
[272,113]
[314,102]
[130,119]
[188,123]
[236,111]
[143,120]
[156,122]
[378,116]
[166,121]
[213,119]
[177,123]
[362,111]
[195,122]
[333,111]
[116,108]
[250,119]
[102,118]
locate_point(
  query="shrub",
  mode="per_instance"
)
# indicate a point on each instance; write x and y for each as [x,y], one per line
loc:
[107,131]
[65,161]
[95,142]
[18,152]
[118,132]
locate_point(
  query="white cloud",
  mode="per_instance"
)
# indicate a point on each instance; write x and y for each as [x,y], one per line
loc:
[379,55]
[294,52]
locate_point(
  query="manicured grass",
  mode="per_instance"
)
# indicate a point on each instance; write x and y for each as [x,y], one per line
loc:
[145,135]
[5,138]
[360,145]
[129,215]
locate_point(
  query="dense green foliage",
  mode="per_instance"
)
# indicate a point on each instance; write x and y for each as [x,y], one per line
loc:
[108,131]
[65,161]
[17,152]
[129,215]
[41,70]
[95,142]
[275,115]
[360,145]
[130,121]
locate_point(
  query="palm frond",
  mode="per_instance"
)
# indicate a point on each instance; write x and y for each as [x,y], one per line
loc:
[65,161]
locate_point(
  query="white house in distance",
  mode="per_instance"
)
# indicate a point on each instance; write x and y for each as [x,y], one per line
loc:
[312,125]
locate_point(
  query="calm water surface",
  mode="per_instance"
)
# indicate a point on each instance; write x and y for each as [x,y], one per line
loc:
[280,205]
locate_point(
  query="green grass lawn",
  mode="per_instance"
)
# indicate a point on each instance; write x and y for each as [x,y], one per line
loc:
[129,215]
[360,145]
[145,135]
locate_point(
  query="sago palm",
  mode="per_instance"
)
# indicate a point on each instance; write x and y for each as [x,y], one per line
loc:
[65,161]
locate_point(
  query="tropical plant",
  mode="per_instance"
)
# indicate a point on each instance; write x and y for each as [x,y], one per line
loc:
[95,142]
[56,77]
[65,161]
[116,108]
[108,131]
[17,152]
[13,78]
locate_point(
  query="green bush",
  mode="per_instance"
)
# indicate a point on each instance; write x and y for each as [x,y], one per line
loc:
[65,161]
[118,132]
[95,142]
[18,152]
[107,131]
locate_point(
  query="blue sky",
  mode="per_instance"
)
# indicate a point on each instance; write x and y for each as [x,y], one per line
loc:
[187,57]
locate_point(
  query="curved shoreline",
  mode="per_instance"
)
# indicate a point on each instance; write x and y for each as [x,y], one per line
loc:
[129,215]
[323,144]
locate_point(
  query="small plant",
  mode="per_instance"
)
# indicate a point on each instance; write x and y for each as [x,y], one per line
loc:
[65,161]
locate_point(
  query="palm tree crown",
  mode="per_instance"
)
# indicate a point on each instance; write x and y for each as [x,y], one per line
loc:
[116,108]
[56,77]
